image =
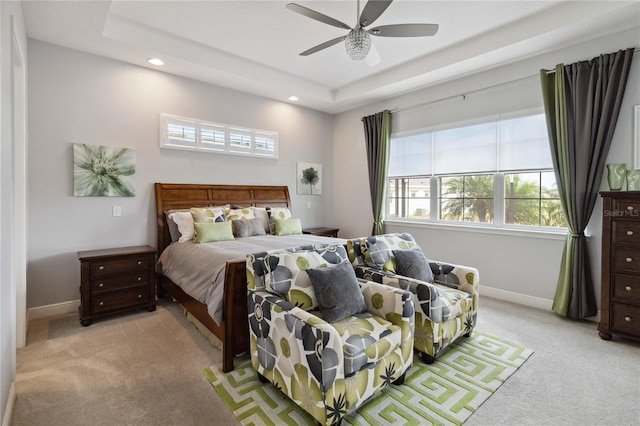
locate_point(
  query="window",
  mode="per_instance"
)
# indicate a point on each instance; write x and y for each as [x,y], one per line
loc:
[467,198]
[495,171]
[196,135]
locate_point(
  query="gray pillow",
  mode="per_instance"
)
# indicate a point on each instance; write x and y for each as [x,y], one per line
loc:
[248,227]
[412,263]
[337,291]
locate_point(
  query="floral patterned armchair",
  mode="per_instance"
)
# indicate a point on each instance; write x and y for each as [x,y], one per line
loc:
[445,308]
[328,369]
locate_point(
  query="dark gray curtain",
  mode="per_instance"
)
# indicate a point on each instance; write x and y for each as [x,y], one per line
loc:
[582,102]
[377,132]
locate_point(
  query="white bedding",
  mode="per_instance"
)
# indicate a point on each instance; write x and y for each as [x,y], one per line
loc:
[198,268]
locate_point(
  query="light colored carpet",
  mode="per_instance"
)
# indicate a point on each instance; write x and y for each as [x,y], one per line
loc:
[145,368]
[445,393]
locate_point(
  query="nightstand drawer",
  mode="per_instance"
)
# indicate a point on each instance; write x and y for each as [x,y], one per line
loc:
[119,300]
[625,232]
[626,318]
[123,281]
[626,259]
[117,265]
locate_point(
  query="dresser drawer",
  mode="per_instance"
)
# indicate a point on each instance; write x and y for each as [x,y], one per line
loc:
[625,208]
[626,288]
[118,282]
[117,265]
[625,232]
[119,300]
[626,318]
[626,259]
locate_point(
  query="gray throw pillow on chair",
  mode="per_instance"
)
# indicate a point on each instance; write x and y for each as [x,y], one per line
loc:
[337,291]
[412,263]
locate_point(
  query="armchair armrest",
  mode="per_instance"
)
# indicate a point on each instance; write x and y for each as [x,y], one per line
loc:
[390,303]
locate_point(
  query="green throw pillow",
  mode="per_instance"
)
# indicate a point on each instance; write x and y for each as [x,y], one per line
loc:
[288,226]
[213,231]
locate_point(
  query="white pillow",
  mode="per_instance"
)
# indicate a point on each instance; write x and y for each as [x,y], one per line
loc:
[184,220]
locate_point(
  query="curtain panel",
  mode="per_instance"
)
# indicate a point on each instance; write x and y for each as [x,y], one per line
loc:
[377,132]
[582,102]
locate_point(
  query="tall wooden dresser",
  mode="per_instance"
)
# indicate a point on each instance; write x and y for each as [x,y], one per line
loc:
[620,307]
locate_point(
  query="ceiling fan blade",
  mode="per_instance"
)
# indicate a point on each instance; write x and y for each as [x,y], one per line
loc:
[323,46]
[372,11]
[405,30]
[373,58]
[317,16]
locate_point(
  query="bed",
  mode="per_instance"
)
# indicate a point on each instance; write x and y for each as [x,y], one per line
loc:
[231,327]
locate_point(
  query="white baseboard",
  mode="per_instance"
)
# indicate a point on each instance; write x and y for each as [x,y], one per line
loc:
[56,309]
[519,298]
[522,299]
[11,402]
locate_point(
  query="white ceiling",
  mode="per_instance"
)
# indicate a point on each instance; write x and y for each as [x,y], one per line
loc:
[253,46]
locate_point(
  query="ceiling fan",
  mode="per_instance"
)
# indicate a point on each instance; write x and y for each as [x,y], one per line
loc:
[358,40]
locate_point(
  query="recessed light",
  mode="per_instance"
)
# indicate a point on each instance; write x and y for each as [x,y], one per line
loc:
[155,61]
[293,98]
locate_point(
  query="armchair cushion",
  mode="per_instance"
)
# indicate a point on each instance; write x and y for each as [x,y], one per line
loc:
[337,291]
[412,263]
[365,339]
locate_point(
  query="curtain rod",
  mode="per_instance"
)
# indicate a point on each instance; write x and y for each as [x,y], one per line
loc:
[464,94]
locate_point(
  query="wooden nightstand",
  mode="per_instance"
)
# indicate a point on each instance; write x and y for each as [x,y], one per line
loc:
[116,280]
[321,231]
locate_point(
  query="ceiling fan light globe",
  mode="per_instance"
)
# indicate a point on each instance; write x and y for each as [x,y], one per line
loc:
[358,44]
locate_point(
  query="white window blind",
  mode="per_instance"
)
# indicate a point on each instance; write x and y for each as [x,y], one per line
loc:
[513,142]
[197,135]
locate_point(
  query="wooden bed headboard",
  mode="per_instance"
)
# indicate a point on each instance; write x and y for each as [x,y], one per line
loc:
[172,196]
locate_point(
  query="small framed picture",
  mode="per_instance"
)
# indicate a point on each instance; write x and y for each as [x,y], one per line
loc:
[309,179]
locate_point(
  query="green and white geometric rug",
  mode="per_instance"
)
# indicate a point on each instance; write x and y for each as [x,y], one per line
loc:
[444,393]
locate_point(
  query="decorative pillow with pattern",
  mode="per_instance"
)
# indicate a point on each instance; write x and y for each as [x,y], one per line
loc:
[379,250]
[240,213]
[208,214]
[277,213]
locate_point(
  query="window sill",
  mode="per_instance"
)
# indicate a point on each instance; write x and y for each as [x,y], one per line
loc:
[550,234]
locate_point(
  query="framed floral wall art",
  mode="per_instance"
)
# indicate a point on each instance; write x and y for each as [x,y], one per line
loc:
[309,179]
[103,171]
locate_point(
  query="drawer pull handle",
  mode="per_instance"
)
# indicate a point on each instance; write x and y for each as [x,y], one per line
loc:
[101,267]
[139,296]
[101,285]
[627,319]
[628,288]
[629,260]
[629,233]
[139,278]
[140,261]
[101,303]
[629,208]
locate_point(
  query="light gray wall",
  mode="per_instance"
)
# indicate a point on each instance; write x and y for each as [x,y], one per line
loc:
[515,267]
[11,23]
[81,98]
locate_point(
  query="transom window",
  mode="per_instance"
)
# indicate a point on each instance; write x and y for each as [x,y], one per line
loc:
[197,135]
[496,171]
